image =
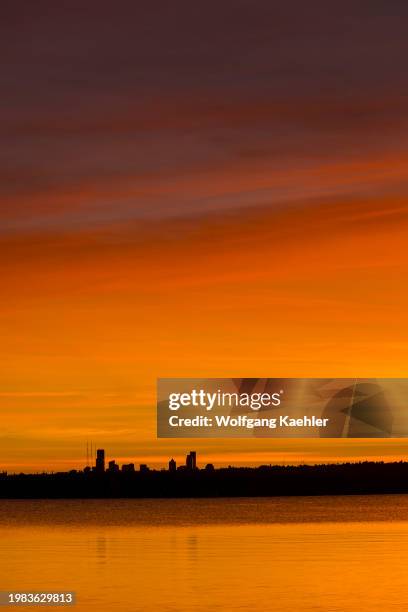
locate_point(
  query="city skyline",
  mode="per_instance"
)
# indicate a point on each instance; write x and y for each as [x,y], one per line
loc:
[101,459]
[188,480]
[105,464]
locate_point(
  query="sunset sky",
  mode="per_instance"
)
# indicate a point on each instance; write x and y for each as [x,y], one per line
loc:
[196,189]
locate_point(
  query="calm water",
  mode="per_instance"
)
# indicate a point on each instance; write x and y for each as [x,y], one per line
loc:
[298,554]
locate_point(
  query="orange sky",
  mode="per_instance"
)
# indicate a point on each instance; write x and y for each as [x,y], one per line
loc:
[171,214]
[90,323]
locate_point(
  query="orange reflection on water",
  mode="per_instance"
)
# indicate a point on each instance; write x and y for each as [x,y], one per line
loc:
[293,554]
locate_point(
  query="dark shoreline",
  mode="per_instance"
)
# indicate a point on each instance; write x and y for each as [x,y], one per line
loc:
[365,478]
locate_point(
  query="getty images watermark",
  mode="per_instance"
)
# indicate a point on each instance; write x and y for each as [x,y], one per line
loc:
[208,400]
[282,407]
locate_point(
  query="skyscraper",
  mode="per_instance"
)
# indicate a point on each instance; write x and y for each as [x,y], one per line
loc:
[191,460]
[172,465]
[100,460]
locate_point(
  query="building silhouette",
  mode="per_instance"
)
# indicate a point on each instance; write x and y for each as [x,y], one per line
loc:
[100,460]
[191,460]
[128,467]
[113,466]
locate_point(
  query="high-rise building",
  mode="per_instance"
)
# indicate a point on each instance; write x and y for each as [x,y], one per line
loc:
[100,460]
[113,466]
[191,460]
[172,465]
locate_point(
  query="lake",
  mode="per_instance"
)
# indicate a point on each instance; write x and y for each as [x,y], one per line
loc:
[279,554]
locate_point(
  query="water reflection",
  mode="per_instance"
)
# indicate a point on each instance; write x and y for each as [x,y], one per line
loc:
[262,564]
[101,552]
